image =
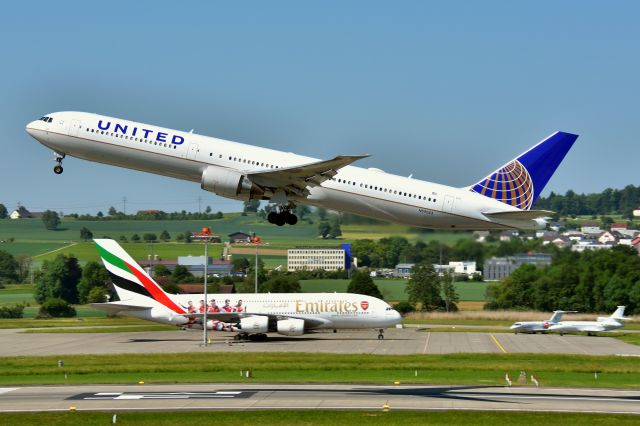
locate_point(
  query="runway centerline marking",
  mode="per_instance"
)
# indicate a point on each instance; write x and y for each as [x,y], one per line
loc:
[504,351]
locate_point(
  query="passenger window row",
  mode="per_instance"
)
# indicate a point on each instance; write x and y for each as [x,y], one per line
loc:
[131,138]
[252,162]
[387,190]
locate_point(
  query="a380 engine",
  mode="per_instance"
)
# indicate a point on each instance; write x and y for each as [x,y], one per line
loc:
[254,324]
[229,183]
[291,327]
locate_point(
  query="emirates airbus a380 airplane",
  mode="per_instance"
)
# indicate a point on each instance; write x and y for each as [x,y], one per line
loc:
[500,200]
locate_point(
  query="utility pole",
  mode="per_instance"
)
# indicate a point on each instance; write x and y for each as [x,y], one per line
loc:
[205,338]
[199,200]
[256,240]
[124,205]
[205,236]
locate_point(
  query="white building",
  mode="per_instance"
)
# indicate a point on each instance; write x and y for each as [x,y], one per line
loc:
[589,245]
[316,258]
[465,267]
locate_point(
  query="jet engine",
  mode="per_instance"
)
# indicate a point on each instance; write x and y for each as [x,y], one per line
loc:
[230,184]
[291,327]
[254,324]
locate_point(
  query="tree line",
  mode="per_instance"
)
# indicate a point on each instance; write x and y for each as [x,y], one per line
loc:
[388,252]
[610,201]
[113,214]
[592,281]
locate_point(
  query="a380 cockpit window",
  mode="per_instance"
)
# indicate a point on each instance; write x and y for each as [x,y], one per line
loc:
[46,119]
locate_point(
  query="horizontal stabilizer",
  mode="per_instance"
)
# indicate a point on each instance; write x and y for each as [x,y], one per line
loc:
[519,214]
[115,307]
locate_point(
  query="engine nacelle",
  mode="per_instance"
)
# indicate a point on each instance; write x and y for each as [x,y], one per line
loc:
[229,183]
[254,324]
[291,327]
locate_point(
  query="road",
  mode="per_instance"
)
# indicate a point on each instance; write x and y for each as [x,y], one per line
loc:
[265,397]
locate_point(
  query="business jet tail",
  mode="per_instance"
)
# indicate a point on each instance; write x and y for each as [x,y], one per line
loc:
[133,285]
[519,182]
[619,314]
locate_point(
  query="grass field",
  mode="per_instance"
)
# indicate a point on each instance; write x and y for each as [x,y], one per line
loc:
[31,238]
[318,417]
[486,369]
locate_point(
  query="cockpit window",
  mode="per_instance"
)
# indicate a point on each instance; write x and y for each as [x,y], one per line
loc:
[46,119]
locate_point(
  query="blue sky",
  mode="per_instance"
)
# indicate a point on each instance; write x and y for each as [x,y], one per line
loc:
[446,91]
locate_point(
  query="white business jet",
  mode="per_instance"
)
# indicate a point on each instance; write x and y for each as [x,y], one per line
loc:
[616,320]
[538,326]
[502,199]
[251,315]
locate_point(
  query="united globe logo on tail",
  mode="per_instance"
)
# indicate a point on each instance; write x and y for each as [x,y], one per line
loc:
[511,185]
[519,182]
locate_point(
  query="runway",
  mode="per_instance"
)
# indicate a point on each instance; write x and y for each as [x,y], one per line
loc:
[317,397]
[396,342]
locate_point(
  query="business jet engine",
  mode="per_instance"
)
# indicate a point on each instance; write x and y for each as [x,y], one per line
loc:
[230,184]
[254,324]
[291,327]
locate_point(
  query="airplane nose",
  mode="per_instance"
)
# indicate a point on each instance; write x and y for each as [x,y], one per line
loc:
[31,127]
[394,316]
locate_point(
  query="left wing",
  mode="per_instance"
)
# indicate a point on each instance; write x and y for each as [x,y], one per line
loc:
[296,179]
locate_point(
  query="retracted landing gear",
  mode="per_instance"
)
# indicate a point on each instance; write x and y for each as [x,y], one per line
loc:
[381,334]
[284,216]
[57,169]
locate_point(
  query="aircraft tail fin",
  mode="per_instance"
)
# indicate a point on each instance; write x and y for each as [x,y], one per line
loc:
[556,317]
[619,313]
[519,182]
[132,283]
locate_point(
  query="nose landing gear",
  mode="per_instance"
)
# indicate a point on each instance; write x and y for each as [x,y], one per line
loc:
[57,169]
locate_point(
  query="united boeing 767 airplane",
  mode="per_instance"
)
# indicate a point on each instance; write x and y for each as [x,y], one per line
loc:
[501,200]
[250,315]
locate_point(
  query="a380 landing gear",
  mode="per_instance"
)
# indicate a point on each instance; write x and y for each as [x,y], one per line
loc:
[57,169]
[381,334]
[282,217]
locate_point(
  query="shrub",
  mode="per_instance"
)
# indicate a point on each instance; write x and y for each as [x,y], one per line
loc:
[404,307]
[97,295]
[14,311]
[56,308]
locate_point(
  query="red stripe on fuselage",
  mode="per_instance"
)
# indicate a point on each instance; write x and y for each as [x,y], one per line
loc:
[156,292]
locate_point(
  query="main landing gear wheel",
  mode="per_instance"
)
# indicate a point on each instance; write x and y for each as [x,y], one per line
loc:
[282,218]
[381,334]
[57,169]
[260,337]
